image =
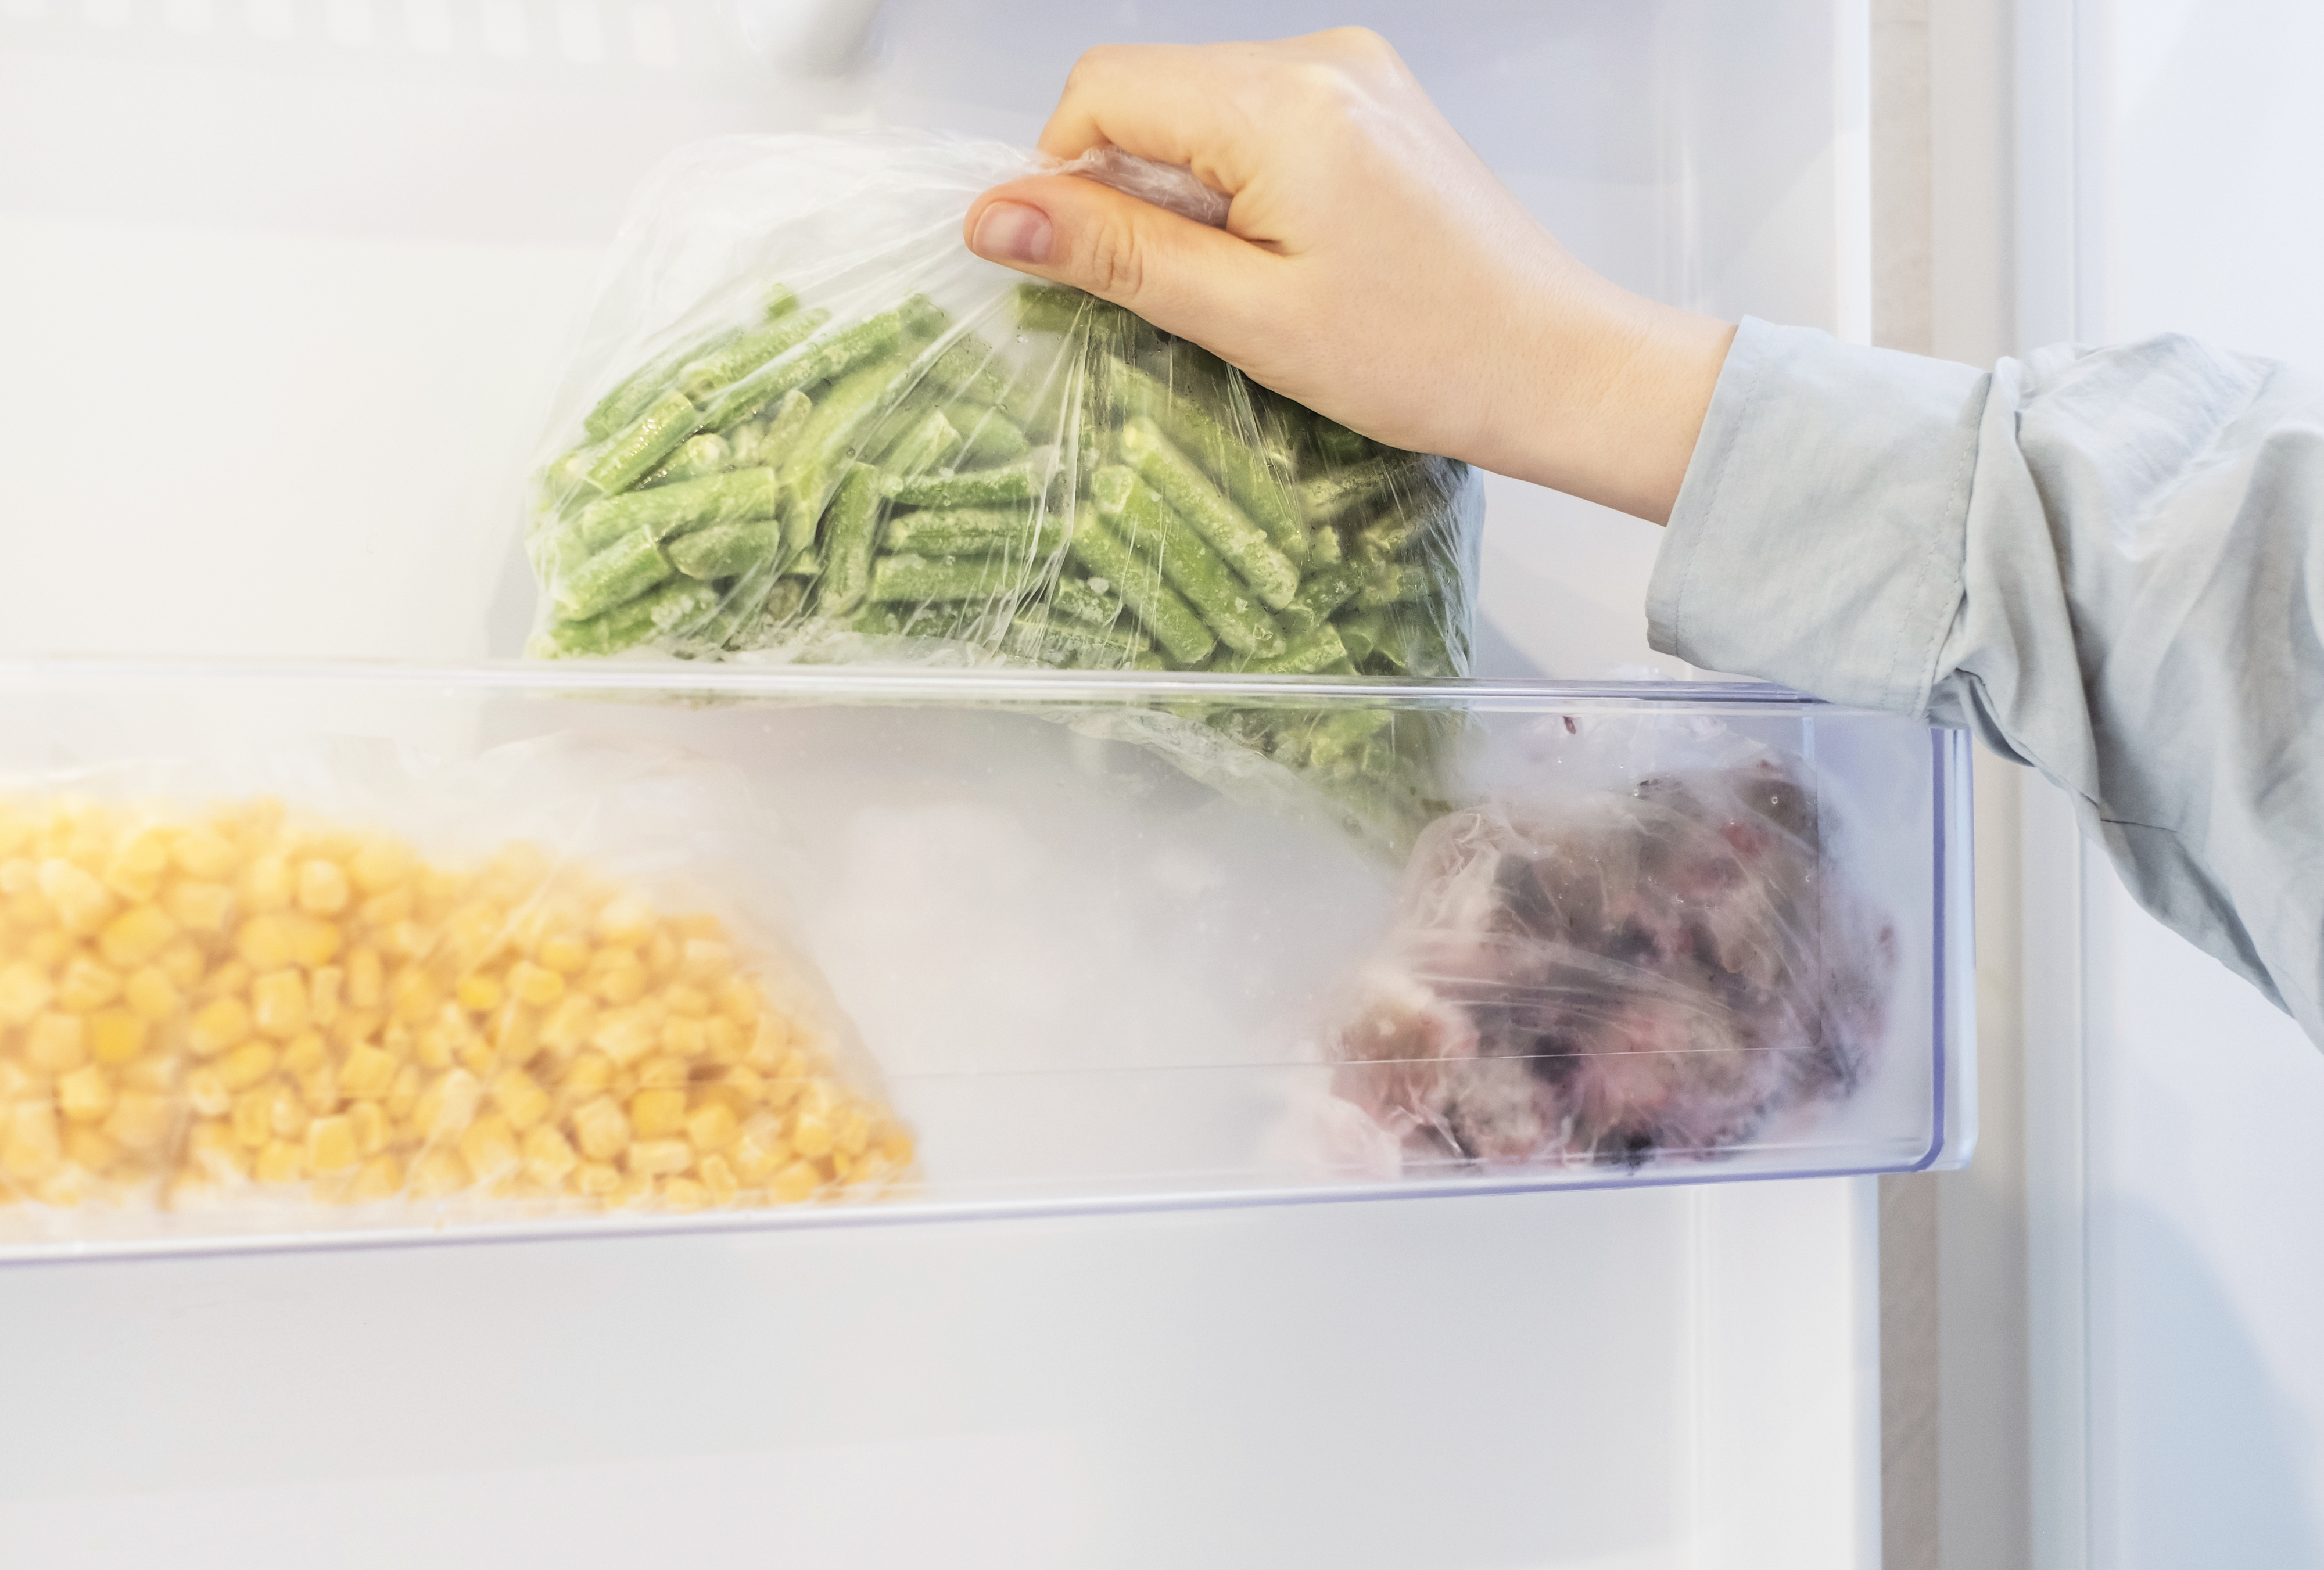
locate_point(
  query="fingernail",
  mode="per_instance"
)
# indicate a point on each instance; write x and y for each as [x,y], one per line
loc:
[1012,232]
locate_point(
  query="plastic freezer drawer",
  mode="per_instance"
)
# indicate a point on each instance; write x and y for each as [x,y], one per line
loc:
[1088,941]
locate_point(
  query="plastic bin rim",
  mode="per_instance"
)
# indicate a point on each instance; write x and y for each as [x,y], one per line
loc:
[961,684]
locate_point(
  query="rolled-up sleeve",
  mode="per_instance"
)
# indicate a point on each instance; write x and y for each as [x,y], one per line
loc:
[2109,563]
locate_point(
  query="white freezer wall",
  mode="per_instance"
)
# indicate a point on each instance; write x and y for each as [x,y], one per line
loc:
[283,284]
[2197,1436]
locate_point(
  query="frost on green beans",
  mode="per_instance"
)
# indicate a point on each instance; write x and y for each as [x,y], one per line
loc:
[1048,481]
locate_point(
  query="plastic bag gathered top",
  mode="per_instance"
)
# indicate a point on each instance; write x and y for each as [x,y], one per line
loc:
[1619,977]
[807,423]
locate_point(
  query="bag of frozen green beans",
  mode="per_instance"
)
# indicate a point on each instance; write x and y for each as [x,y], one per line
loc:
[807,423]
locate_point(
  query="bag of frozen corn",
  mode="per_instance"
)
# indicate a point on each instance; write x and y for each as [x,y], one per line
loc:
[807,423]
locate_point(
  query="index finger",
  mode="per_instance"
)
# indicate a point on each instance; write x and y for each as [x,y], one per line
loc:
[1171,103]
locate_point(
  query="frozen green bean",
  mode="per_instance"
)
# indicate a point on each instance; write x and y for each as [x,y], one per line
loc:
[1336,491]
[631,396]
[644,443]
[911,579]
[1085,600]
[711,374]
[675,607]
[1138,516]
[1163,611]
[1337,443]
[819,359]
[697,455]
[1050,642]
[1321,593]
[851,534]
[725,549]
[623,570]
[1305,656]
[1227,459]
[1191,496]
[974,531]
[993,439]
[1393,584]
[975,487]
[1325,547]
[1388,536]
[928,444]
[1361,633]
[842,417]
[668,509]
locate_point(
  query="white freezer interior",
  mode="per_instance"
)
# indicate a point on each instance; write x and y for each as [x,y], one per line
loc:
[287,285]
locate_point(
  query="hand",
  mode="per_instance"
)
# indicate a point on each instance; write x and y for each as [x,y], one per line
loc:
[1371,266]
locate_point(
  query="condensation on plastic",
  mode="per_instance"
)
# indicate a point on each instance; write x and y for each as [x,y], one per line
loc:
[1616,971]
[182,1036]
[804,422]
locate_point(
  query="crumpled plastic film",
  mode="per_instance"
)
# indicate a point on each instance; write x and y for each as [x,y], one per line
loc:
[322,979]
[1616,977]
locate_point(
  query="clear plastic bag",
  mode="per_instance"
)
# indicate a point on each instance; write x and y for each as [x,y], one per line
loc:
[807,423]
[1615,974]
[382,998]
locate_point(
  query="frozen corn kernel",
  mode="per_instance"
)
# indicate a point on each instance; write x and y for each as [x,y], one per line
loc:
[564,953]
[331,1145]
[150,993]
[116,1035]
[139,864]
[24,990]
[658,1157]
[447,1104]
[684,1194]
[382,1178]
[537,985]
[55,1042]
[322,887]
[626,1034]
[279,1161]
[379,865]
[250,1063]
[218,1025]
[479,994]
[367,1073]
[85,984]
[549,1157]
[279,1004]
[658,1113]
[438,1172]
[372,1128]
[602,1129]
[266,884]
[135,936]
[794,1183]
[200,907]
[80,901]
[810,1135]
[597,1180]
[520,1098]
[85,1095]
[181,964]
[203,852]
[713,1127]
[207,1093]
[140,1121]
[489,1146]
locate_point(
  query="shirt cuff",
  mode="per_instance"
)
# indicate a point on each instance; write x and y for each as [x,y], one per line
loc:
[1817,539]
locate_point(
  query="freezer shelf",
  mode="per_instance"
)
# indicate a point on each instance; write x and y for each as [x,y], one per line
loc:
[1099,961]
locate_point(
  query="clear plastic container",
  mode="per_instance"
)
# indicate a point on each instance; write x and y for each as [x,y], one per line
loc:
[1090,978]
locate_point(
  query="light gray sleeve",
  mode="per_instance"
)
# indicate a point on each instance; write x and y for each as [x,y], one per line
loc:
[2107,561]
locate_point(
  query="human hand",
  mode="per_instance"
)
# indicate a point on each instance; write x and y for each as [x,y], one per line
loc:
[1371,266]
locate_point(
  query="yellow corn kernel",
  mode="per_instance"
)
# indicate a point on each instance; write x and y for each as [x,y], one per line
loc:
[438,1172]
[403,1095]
[322,887]
[479,1058]
[722,1041]
[279,1004]
[140,1120]
[435,1047]
[687,1002]
[661,956]
[684,1194]
[759,1149]
[279,1161]
[366,979]
[265,942]
[135,936]
[287,1116]
[85,1095]
[520,1098]
[712,1128]
[738,1001]
[266,884]
[379,867]
[323,990]
[24,991]
[448,1105]
[810,1135]
[684,1037]
[602,1131]
[367,1073]
[230,979]
[30,1145]
[314,941]
[150,993]
[305,1054]
[49,949]
[139,864]
[382,1178]
[200,907]
[490,1148]
[564,953]
[85,984]
[658,1157]
[516,1034]
[794,1183]
[81,902]
[548,1156]
[385,911]
[413,996]
[706,963]
[89,1148]
[596,1181]
[661,1072]
[718,1178]
[635,1188]
[477,993]
[253,1117]
[319,1087]
[623,981]
[854,1133]
[371,1127]
[626,921]
[55,1042]
[208,1093]
[181,964]
[656,1114]
[203,853]
[537,985]
[116,1035]
[626,1034]
[250,1063]
[331,1143]
[355,1028]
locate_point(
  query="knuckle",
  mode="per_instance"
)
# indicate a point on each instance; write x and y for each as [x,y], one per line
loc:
[1113,263]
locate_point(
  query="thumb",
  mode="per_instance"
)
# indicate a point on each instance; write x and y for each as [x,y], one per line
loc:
[1186,278]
